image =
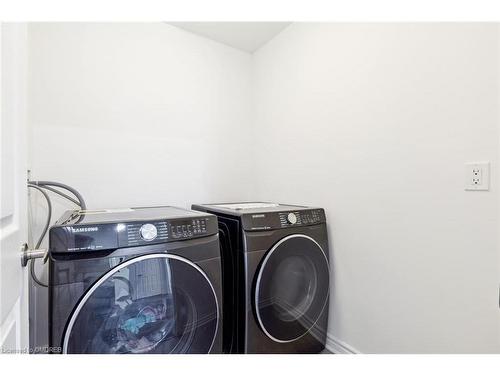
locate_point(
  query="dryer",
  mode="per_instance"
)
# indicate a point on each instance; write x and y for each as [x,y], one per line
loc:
[276,276]
[136,280]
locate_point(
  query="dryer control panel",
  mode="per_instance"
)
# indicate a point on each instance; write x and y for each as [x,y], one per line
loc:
[289,219]
[285,219]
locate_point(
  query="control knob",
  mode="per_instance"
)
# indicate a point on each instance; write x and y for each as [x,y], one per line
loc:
[148,232]
[291,218]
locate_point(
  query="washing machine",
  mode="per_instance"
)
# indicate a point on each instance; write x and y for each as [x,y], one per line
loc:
[135,280]
[276,276]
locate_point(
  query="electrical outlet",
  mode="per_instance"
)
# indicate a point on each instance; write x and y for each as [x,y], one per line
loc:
[477,176]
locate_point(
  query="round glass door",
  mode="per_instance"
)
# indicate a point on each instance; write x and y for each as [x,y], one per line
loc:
[158,303]
[292,287]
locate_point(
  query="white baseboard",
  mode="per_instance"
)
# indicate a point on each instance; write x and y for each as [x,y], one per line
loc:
[337,346]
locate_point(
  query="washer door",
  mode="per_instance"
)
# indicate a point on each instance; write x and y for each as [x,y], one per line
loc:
[292,287]
[157,303]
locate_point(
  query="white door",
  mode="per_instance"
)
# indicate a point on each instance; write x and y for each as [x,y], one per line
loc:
[13,204]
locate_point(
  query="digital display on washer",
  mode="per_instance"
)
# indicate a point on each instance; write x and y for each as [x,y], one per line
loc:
[188,228]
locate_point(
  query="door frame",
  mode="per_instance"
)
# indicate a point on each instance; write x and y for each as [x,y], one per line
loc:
[14,318]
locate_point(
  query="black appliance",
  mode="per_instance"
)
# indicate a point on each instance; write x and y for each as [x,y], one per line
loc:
[275,277]
[137,280]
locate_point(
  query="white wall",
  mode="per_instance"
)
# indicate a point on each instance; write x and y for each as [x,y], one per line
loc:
[375,123]
[138,114]
[372,122]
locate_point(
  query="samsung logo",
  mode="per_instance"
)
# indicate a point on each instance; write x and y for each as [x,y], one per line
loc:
[258,216]
[87,229]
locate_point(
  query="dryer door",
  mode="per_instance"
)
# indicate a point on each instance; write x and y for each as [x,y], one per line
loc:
[157,303]
[291,288]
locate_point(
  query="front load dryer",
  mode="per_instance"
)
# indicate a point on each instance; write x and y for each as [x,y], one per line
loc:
[138,280]
[276,277]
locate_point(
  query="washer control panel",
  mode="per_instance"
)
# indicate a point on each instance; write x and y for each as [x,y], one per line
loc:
[110,235]
[134,234]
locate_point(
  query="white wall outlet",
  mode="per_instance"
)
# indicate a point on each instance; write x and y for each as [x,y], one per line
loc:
[477,176]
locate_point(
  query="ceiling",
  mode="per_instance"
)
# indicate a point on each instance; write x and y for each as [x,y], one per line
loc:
[246,36]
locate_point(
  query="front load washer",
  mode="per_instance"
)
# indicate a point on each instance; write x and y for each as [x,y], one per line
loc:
[137,280]
[275,277]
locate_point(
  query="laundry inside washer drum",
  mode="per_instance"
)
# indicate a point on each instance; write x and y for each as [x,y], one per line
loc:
[139,325]
[138,328]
